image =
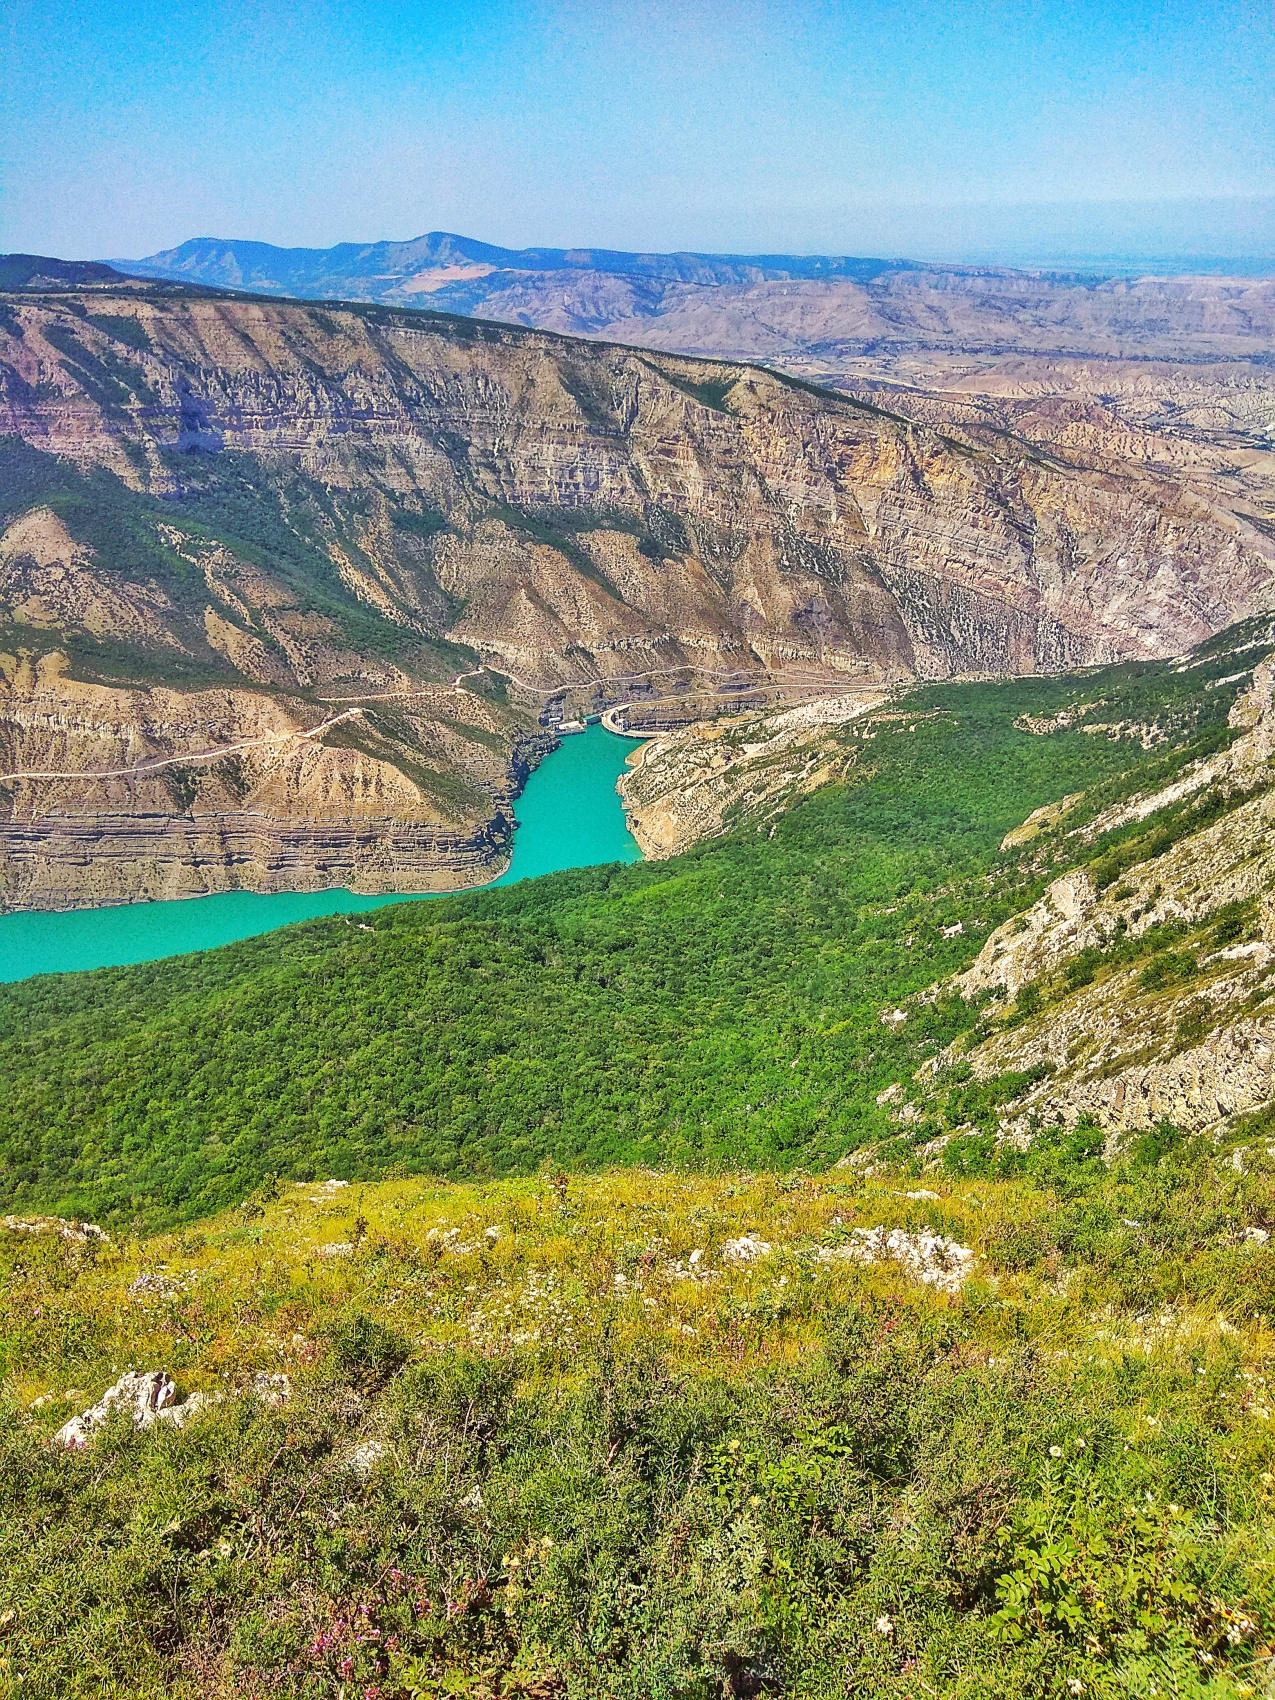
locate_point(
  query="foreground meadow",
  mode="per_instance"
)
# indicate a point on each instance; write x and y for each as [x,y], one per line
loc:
[651,1434]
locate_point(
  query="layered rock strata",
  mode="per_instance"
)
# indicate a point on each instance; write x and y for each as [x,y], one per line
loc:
[118,796]
[242,512]
[689,785]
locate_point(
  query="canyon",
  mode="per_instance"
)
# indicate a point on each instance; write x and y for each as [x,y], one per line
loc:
[1168,374]
[228,524]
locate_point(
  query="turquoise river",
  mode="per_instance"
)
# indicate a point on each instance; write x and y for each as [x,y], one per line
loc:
[569,816]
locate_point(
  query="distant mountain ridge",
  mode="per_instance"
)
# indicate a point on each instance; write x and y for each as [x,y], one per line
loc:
[41,271]
[824,317]
[387,271]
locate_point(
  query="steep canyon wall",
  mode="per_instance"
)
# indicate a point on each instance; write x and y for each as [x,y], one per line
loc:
[290,511]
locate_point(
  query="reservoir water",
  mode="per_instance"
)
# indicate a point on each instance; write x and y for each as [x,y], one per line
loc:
[569,816]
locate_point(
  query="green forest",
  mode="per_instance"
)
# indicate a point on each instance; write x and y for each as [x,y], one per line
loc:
[722,1007]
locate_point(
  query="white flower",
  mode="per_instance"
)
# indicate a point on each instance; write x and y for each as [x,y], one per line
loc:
[1055,1451]
[885,1626]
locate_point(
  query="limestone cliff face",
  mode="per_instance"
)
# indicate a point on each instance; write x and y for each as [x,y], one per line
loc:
[685,509]
[313,508]
[1170,373]
[120,795]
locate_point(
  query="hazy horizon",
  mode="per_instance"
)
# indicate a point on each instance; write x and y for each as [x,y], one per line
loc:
[1212,254]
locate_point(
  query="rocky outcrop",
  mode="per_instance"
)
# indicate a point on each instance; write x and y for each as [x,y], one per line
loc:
[75,1233]
[689,785]
[249,518]
[149,1397]
[930,1258]
[144,1398]
[1180,1031]
[1225,863]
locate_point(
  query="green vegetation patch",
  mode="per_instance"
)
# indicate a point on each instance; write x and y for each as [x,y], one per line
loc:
[721,1007]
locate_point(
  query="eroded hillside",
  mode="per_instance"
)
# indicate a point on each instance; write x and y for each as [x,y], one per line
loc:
[316,510]
[1134,995]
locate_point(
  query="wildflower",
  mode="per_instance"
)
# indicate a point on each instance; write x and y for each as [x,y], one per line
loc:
[546,1541]
[754,1501]
[1075,1686]
[885,1625]
[1055,1451]
[1080,1446]
[732,1446]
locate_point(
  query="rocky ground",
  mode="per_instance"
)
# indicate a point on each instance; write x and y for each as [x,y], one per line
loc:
[693,784]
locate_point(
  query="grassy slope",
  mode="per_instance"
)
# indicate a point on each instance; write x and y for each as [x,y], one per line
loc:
[717,1008]
[610,1471]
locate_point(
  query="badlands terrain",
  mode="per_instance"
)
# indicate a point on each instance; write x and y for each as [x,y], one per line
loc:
[294,594]
[1173,372]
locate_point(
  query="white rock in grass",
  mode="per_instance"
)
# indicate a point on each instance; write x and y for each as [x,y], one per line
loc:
[77,1232]
[745,1249]
[272,1390]
[144,1396]
[364,1459]
[930,1258]
[191,1407]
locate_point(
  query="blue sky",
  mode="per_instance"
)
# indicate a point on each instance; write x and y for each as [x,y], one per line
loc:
[941,128]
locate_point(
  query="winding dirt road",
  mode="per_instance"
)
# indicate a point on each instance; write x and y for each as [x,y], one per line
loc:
[155,763]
